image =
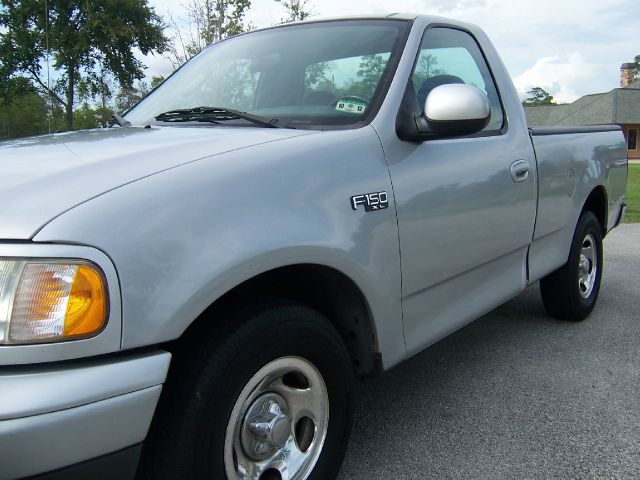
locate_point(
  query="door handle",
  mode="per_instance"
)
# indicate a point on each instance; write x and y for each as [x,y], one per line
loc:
[520,171]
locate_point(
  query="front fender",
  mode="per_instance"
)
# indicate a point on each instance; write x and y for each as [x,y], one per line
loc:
[182,238]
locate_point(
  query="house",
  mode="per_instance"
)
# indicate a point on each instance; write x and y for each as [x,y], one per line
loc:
[620,106]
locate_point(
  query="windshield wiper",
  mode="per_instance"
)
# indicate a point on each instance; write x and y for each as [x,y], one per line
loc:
[217,114]
[118,120]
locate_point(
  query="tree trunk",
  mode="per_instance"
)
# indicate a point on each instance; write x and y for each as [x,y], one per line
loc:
[222,4]
[70,90]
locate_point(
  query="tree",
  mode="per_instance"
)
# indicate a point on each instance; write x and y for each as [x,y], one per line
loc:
[86,117]
[370,71]
[538,96]
[221,18]
[297,10]
[636,61]
[86,40]
[22,111]
[425,68]
[156,81]
[129,95]
[316,74]
[207,22]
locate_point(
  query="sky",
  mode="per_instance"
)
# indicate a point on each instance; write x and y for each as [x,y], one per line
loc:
[570,48]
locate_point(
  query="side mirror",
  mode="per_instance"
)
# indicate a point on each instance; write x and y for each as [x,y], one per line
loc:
[454,109]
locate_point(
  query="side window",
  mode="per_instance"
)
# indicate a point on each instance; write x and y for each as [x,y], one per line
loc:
[632,142]
[453,56]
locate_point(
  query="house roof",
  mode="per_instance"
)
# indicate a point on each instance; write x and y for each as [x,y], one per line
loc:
[619,106]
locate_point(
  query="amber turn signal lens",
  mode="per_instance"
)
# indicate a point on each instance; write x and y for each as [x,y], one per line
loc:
[85,306]
[57,301]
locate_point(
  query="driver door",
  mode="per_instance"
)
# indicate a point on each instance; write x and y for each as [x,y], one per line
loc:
[464,223]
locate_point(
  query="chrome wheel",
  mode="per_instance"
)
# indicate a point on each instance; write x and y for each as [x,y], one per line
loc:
[587,266]
[279,423]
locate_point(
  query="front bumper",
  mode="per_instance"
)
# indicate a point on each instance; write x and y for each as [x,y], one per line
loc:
[53,416]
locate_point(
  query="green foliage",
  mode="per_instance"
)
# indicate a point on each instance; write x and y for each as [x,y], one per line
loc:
[217,19]
[103,115]
[636,62]
[86,117]
[15,87]
[128,96]
[22,111]
[316,74]
[538,96]
[86,39]
[364,84]
[297,10]
[371,69]
[155,82]
[632,196]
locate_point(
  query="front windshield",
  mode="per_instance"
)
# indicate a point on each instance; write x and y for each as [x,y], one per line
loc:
[316,74]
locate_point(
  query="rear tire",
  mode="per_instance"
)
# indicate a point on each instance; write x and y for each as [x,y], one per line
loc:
[571,292]
[269,394]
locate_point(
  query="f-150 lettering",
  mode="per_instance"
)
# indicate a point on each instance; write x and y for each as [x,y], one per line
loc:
[371,201]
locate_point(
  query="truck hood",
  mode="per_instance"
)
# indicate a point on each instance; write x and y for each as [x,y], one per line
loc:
[42,177]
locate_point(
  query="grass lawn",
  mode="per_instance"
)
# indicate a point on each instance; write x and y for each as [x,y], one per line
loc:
[632,196]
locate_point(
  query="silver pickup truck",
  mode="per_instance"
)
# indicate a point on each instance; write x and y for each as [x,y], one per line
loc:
[191,294]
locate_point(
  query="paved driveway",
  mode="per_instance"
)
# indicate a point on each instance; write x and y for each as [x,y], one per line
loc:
[515,394]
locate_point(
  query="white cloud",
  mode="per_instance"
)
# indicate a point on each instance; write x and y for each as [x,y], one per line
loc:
[560,76]
[157,66]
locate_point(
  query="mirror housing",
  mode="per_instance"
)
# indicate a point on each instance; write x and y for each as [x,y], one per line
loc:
[454,109]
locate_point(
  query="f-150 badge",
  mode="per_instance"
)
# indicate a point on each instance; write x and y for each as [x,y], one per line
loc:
[371,201]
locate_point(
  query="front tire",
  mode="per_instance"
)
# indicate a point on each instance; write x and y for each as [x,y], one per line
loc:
[269,398]
[571,292]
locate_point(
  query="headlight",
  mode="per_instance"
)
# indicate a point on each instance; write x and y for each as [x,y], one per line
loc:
[47,301]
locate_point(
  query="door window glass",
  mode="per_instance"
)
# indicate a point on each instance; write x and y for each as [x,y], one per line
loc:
[453,56]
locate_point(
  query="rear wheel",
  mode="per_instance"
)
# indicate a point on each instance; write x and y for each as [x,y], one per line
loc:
[269,399]
[571,291]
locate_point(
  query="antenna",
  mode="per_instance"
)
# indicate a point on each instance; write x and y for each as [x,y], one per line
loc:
[46,37]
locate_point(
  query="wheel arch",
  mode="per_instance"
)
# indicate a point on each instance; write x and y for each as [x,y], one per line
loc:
[596,202]
[323,288]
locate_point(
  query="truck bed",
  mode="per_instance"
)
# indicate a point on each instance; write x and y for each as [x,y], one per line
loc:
[572,161]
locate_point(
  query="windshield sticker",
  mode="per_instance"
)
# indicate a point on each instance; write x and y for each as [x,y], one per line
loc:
[351,106]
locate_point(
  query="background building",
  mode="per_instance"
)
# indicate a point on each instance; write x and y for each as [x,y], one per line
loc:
[620,106]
